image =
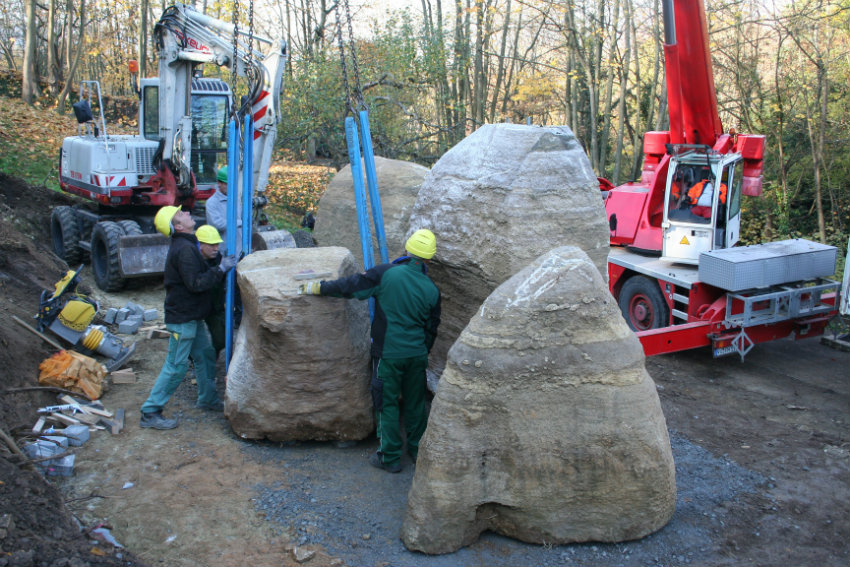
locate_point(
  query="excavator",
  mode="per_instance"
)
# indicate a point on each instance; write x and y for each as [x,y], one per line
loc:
[173,160]
[674,269]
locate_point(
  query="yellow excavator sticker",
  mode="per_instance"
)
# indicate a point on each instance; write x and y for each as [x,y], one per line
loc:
[685,241]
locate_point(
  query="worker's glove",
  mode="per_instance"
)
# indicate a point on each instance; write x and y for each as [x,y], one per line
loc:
[227,263]
[310,288]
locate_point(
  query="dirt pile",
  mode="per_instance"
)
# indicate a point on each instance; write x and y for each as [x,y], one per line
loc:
[35,526]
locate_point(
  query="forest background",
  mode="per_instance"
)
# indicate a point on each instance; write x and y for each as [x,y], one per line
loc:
[432,71]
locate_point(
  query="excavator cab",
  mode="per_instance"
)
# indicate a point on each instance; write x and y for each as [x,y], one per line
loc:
[210,107]
[702,202]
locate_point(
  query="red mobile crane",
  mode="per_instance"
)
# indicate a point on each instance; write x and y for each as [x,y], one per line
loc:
[673,267]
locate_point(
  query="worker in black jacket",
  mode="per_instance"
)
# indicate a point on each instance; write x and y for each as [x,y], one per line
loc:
[189,281]
[407,314]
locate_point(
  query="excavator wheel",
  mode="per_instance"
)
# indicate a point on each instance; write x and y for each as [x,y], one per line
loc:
[105,261]
[130,227]
[643,305]
[65,235]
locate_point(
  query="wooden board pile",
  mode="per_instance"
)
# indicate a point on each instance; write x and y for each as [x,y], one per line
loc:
[72,411]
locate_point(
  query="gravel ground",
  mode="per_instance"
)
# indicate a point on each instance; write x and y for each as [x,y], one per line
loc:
[357,517]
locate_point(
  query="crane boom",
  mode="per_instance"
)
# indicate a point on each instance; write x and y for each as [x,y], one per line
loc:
[692,100]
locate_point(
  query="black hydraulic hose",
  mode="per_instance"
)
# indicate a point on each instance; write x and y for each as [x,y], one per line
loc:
[668,13]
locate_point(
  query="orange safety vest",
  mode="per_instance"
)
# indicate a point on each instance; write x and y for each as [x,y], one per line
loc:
[695,192]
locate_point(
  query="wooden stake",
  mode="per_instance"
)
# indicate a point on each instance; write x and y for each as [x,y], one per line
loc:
[40,334]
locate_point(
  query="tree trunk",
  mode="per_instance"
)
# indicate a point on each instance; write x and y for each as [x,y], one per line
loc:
[29,86]
[624,89]
[818,143]
[52,64]
[479,80]
[81,43]
[143,37]
[500,69]
[607,102]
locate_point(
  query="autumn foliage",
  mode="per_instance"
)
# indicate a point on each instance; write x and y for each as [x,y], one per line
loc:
[296,186]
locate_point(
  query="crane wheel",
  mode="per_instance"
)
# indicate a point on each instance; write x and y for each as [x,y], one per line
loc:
[643,305]
[65,234]
[105,260]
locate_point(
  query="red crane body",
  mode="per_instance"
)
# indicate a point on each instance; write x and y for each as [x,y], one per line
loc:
[663,225]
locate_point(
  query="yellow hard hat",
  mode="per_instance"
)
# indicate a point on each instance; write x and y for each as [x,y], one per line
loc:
[162,220]
[208,235]
[422,244]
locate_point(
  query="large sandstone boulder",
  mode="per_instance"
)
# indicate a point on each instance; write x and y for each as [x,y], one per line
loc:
[499,199]
[300,368]
[336,221]
[546,426]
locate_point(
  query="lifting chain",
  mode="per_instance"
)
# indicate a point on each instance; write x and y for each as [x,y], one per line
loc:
[358,93]
[353,99]
[251,34]
[234,63]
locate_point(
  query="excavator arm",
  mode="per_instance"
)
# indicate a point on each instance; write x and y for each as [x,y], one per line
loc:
[187,38]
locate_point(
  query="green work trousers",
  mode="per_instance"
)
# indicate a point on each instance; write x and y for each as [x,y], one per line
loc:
[186,339]
[401,377]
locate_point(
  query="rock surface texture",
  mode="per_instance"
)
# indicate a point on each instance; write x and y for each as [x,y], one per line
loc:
[499,199]
[336,221]
[546,426]
[300,365]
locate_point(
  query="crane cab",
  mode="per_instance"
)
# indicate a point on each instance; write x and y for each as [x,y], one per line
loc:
[702,209]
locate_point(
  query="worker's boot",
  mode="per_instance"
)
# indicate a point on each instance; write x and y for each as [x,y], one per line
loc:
[156,420]
[377,461]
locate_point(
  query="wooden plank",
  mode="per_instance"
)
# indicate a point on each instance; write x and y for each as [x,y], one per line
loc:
[39,425]
[116,424]
[123,376]
[85,408]
[65,419]
[87,418]
[158,334]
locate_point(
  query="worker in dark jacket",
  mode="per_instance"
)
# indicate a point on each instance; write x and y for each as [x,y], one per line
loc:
[407,314]
[209,241]
[188,282]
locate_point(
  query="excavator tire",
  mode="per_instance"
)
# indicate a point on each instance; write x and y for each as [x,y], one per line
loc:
[65,235]
[105,261]
[304,239]
[130,227]
[643,305]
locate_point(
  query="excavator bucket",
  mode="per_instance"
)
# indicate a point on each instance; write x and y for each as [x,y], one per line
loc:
[143,254]
[272,239]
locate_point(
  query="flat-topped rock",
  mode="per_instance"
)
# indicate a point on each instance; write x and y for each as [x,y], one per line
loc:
[300,368]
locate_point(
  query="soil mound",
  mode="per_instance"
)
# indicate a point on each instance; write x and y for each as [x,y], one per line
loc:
[35,526]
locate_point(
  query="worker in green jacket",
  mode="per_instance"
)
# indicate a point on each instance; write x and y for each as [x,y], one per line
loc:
[407,314]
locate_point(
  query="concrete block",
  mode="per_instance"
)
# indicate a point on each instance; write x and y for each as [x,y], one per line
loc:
[109,318]
[57,439]
[150,314]
[122,314]
[77,434]
[129,326]
[61,467]
[40,449]
[135,309]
